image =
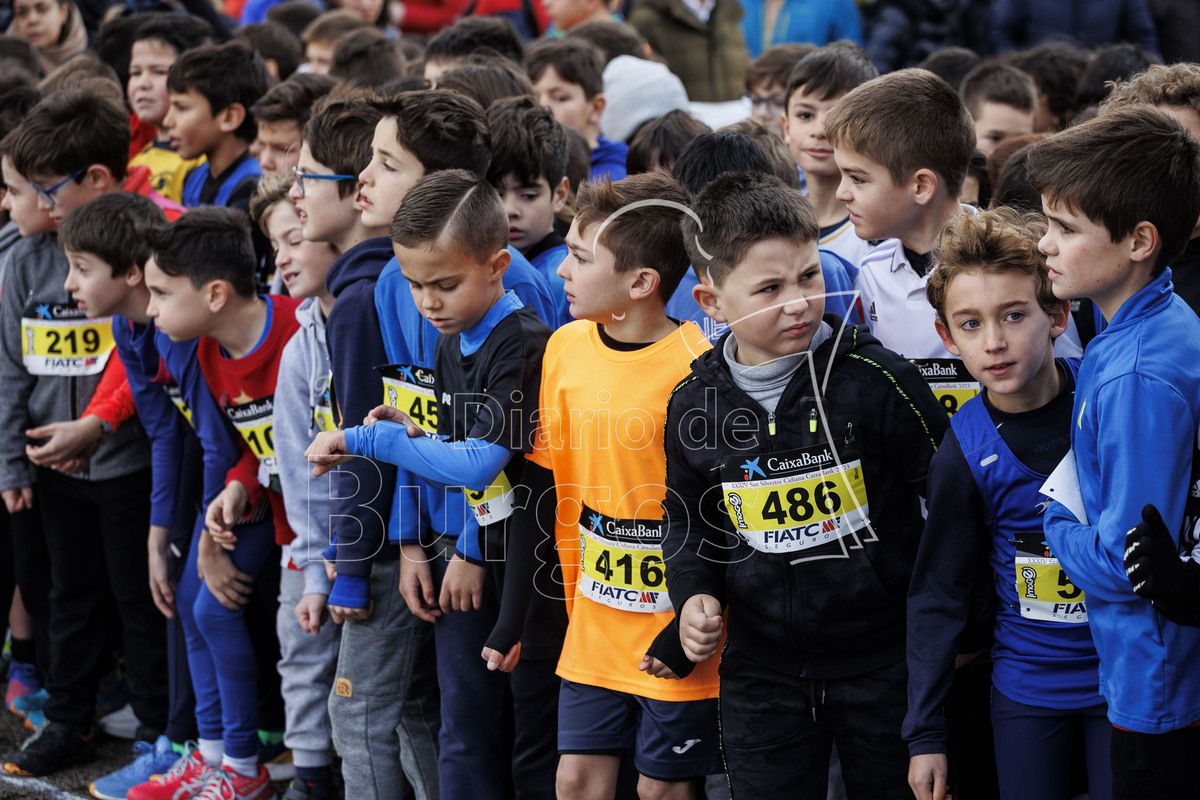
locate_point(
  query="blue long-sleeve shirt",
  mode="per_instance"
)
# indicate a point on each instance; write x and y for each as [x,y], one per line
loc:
[815,21]
[1134,435]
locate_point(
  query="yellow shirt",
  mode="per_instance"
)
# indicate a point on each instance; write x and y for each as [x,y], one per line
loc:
[168,170]
[600,433]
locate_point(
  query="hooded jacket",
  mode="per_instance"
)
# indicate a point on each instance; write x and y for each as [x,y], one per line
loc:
[834,609]
[355,344]
[709,57]
[301,395]
[33,288]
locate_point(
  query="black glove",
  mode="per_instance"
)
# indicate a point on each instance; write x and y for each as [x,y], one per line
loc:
[667,648]
[1157,572]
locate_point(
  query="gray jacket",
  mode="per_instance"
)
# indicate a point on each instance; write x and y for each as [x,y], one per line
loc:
[300,389]
[33,288]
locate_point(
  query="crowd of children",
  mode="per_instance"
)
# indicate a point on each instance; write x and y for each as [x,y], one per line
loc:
[396,431]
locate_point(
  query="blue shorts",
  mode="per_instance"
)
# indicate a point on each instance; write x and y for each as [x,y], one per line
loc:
[671,741]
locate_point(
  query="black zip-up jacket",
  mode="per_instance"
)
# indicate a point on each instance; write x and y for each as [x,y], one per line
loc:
[839,610]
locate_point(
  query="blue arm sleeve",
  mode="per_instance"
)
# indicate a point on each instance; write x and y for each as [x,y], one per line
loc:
[1131,468]
[162,423]
[473,464]
[214,431]
[351,591]
[847,24]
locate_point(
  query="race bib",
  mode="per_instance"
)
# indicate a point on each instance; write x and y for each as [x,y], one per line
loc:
[950,381]
[60,340]
[410,389]
[621,563]
[1044,592]
[792,501]
[493,504]
[323,412]
[176,394]
[255,421]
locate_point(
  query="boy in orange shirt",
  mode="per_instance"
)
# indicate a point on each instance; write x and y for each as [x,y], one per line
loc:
[605,383]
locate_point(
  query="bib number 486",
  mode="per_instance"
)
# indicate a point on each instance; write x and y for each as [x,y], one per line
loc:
[801,505]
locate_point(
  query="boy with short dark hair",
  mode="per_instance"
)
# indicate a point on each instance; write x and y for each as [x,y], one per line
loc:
[607,467]
[322,35]
[983,546]
[440,554]
[659,142]
[817,439]
[1122,195]
[766,80]
[213,88]
[73,147]
[380,737]
[281,114]
[367,59]
[202,287]
[818,81]
[568,77]
[1055,68]
[158,41]
[528,169]
[450,238]
[455,43]
[1003,103]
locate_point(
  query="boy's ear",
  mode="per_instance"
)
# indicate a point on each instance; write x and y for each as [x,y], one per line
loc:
[231,117]
[135,277]
[272,67]
[559,195]
[645,283]
[1144,242]
[598,102]
[99,178]
[499,262]
[710,303]
[217,293]
[924,183]
[944,334]
[1058,320]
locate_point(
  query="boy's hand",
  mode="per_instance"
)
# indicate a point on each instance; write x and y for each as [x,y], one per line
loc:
[389,414]
[340,614]
[927,776]
[1157,572]
[700,626]
[158,543]
[505,662]
[224,512]
[311,612]
[327,451]
[462,586]
[67,441]
[416,583]
[228,584]
[20,499]
[652,666]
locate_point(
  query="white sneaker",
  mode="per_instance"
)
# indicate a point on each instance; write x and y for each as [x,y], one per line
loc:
[120,724]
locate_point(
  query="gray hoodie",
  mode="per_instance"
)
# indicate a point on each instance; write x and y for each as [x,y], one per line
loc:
[301,390]
[33,290]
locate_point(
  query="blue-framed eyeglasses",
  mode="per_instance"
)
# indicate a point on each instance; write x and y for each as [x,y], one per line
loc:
[48,194]
[301,177]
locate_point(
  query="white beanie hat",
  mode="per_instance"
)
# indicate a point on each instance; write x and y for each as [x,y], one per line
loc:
[636,91]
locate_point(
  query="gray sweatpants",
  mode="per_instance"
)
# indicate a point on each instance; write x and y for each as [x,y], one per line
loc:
[382,734]
[306,667]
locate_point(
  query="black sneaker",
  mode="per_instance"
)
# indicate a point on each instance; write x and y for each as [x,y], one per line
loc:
[52,748]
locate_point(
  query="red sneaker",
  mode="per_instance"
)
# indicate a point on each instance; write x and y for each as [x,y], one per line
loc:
[184,780]
[225,784]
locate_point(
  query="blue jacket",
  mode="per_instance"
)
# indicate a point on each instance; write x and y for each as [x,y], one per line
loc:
[409,339]
[815,21]
[355,344]
[608,158]
[1018,24]
[137,351]
[1136,419]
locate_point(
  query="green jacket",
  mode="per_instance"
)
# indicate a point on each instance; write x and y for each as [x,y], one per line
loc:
[710,58]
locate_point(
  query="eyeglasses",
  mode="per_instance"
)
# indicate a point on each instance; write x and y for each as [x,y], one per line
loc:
[773,103]
[48,194]
[301,177]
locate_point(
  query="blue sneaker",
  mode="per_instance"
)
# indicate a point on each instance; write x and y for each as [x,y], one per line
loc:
[26,704]
[35,720]
[23,680]
[148,759]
